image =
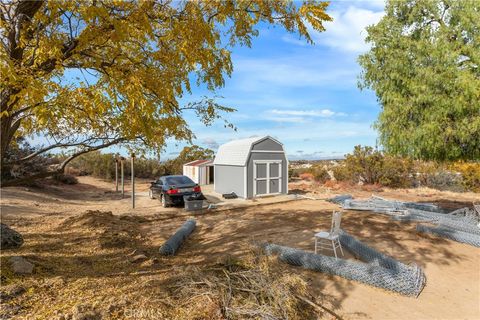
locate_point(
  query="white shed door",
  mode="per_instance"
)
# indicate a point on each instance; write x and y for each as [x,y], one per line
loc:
[267,177]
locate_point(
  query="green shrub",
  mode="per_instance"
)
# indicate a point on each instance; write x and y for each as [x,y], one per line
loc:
[320,175]
[102,165]
[364,165]
[292,173]
[373,167]
[342,173]
[396,172]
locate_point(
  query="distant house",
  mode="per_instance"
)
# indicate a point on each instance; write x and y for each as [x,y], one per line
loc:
[200,171]
[251,167]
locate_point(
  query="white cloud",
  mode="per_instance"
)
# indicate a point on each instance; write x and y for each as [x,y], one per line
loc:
[286,119]
[210,143]
[324,113]
[299,116]
[292,72]
[347,30]
[295,40]
[377,5]
[294,131]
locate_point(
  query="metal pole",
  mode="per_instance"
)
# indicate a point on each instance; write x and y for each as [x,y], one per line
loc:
[121,173]
[116,175]
[133,180]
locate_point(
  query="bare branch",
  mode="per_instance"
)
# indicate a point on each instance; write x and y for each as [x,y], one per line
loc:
[89,149]
[84,144]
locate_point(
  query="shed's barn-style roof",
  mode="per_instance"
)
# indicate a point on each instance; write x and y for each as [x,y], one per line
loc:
[236,152]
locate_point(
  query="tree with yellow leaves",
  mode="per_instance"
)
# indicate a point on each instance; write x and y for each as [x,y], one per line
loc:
[137,59]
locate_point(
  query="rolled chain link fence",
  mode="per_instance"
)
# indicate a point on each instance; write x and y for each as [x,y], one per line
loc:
[365,253]
[460,225]
[381,271]
[171,246]
[456,235]
[380,205]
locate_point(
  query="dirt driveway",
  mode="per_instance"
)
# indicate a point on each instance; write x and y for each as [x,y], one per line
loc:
[76,253]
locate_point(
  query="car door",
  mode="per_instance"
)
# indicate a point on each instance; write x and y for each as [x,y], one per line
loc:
[157,187]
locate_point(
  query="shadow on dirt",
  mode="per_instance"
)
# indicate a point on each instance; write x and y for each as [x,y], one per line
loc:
[99,244]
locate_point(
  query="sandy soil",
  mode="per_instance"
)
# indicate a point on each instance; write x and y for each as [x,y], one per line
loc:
[84,258]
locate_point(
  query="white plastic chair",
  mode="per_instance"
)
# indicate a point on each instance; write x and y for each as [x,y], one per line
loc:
[330,240]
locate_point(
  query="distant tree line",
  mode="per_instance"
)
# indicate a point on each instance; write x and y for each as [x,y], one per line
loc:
[102,165]
[366,165]
[98,164]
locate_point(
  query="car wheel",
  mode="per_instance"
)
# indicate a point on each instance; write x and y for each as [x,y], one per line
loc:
[150,194]
[164,201]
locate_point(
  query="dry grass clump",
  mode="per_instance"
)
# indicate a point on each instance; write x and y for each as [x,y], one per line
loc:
[113,231]
[252,288]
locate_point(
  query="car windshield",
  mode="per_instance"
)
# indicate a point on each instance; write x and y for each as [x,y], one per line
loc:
[174,180]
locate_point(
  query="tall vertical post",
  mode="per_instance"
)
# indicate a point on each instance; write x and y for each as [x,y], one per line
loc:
[121,173]
[116,174]
[133,179]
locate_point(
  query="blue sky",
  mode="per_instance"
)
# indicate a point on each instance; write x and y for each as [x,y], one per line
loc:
[304,95]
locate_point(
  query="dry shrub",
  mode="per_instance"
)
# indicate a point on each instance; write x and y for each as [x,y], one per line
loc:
[307,176]
[446,181]
[470,172]
[254,287]
[371,166]
[330,184]
[65,178]
[339,185]
[72,171]
[342,173]
[321,175]
[111,231]
[372,187]
[425,169]
[396,172]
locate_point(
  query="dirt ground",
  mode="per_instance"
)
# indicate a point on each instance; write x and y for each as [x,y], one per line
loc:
[85,257]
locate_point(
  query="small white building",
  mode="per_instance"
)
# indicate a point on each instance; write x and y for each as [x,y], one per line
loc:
[251,168]
[200,171]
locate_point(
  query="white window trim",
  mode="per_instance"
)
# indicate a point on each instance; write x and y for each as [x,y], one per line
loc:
[267,178]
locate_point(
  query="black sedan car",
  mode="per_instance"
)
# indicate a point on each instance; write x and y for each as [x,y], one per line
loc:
[171,190]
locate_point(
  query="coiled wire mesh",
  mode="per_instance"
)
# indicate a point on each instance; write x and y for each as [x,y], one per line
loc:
[381,205]
[449,233]
[365,253]
[460,225]
[381,271]
[171,246]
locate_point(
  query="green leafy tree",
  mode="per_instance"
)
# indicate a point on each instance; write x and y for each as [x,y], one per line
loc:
[424,66]
[189,153]
[134,61]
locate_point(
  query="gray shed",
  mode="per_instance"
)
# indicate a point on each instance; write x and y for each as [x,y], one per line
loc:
[251,167]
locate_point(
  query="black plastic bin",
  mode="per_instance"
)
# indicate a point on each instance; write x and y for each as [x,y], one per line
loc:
[193,203]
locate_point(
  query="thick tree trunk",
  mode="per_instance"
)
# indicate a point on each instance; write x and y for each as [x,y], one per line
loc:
[7,131]
[19,14]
